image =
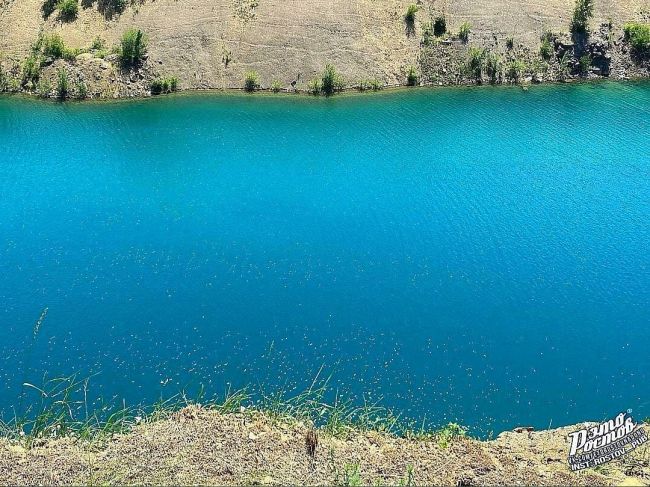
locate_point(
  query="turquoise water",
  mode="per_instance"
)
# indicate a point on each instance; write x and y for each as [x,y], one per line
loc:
[478,255]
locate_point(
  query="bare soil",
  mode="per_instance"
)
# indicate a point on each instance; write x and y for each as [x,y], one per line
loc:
[211,44]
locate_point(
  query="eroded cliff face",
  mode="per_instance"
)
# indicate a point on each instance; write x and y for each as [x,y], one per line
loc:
[213,43]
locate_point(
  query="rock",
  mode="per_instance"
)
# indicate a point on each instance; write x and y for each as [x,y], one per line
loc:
[523,429]
[47,61]
[252,436]
[84,56]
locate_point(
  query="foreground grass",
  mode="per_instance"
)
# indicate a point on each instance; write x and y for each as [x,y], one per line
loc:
[275,438]
[62,409]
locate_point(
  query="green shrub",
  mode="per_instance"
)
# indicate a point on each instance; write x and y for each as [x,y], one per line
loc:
[98,44]
[133,47]
[582,12]
[31,70]
[276,86]
[370,84]
[638,35]
[62,83]
[111,7]
[427,33]
[331,81]
[492,64]
[584,63]
[515,70]
[546,49]
[70,53]
[48,7]
[44,88]
[68,9]
[3,80]
[439,26]
[314,86]
[52,46]
[351,475]
[446,435]
[81,89]
[465,31]
[564,67]
[412,77]
[164,85]
[252,81]
[474,62]
[411,10]
[510,43]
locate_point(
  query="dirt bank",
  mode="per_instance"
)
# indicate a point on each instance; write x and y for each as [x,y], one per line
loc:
[199,446]
[213,43]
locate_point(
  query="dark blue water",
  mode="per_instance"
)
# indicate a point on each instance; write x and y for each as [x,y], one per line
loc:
[478,255]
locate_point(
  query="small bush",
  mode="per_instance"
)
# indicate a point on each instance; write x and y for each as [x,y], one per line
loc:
[62,83]
[98,44]
[351,475]
[276,86]
[582,12]
[52,46]
[314,86]
[68,9]
[164,85]
[510,43]
[474,62]
[584,63]
[70,53]
[492,64]
[31,70]
[638,35]
[44,88]
[411,10]
[48,7]
[439,26]
[110,7]
[449,433]
[4,83]
[370,84]
[515,70]
[427,34]
[133,47]
[546,49]
[465,31]
[412,77]
[331,81]
[81,89]
[252,81]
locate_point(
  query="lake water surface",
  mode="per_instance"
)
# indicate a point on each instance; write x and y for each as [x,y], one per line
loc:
[478,255]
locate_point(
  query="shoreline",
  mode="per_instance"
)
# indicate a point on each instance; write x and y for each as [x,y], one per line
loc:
[305,95]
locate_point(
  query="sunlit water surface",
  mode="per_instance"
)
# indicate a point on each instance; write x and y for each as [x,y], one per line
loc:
[478,255]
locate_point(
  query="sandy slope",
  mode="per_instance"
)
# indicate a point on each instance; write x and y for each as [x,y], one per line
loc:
[196,446]
[291,40]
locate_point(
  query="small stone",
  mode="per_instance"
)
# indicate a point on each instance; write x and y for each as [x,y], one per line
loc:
[252,436]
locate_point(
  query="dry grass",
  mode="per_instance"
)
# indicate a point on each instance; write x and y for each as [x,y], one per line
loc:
[201,446]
